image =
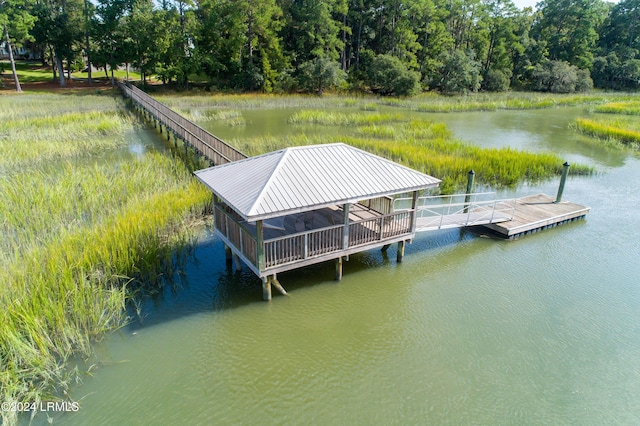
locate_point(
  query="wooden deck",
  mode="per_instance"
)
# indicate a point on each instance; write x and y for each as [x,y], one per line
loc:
[302,239]
[538,212]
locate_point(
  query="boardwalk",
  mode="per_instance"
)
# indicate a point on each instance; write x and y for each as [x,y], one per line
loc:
[204,143]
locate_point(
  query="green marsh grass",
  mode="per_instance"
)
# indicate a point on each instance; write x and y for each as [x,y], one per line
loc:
[335,118]
[78,237]
[625,131]
[431,148]
[55,133]
[231,118]
[626,108]
[430,102]
[365,121]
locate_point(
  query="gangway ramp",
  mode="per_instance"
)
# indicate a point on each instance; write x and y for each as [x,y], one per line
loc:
[459,210]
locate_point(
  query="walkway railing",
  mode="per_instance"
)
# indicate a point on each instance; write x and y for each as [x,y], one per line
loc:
[448,211]
[206,144]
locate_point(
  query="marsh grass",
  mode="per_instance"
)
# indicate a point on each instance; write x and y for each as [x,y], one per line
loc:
[49,131]
[626,108]
[625,131]
[335,118]
[77,237]
[231,118]
[500,101]
[431,148]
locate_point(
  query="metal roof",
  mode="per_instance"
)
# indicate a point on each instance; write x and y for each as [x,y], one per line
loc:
[308,177]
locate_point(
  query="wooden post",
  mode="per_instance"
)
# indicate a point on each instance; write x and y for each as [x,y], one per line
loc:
[228,256]
[467,197]
[266,288]
[260,245]
[339,268]
[563,179]
[385,248]
[277,285]
[400,251]
[236,260]
[345,230]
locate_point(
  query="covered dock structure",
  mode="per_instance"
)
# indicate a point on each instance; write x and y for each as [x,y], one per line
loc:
[304,205]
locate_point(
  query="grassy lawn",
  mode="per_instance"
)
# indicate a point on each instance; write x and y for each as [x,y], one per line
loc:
[28,72]
[34,72]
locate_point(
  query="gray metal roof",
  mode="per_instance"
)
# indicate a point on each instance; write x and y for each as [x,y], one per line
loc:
[308,177]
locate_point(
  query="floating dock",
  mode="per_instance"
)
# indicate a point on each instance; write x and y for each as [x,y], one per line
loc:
[535,213]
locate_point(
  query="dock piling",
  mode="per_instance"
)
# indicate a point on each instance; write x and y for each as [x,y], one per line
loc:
[266,288]
[277,285]
[563,179]
[467,198]
[339,269]
[400,255]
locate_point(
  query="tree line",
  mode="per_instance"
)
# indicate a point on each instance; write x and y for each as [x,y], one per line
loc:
[390,47]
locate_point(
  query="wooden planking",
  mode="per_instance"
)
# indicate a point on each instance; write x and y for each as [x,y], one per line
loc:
[538,212]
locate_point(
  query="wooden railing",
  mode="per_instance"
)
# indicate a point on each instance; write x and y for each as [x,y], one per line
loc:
[380,228]
[319,242]
[382,205]
[304,245]
[208,145]
[237,235]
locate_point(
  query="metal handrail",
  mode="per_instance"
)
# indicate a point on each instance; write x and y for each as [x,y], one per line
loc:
[472,197]
[464,213]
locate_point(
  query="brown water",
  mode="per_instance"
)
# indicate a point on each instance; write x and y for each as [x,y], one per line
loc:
[541,330]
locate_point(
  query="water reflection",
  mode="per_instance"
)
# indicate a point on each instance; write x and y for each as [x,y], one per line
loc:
[466,330]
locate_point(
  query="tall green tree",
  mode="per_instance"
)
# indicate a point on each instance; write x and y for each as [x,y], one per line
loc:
[568,28]
[433,37]
[313,29]
[113,46]
[264,55]
[59,27]
[620,32]
[503,41]
[15,22]
[145,31]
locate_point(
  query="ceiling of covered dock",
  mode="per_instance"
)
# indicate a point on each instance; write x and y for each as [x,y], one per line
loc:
[305,178]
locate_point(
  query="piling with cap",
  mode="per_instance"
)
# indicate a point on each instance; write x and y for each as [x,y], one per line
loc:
[467,197]
[563,179]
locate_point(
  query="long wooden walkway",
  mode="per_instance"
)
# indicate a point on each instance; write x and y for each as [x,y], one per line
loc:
[204,143]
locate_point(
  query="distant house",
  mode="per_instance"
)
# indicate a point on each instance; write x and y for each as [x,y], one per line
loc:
[22,52]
